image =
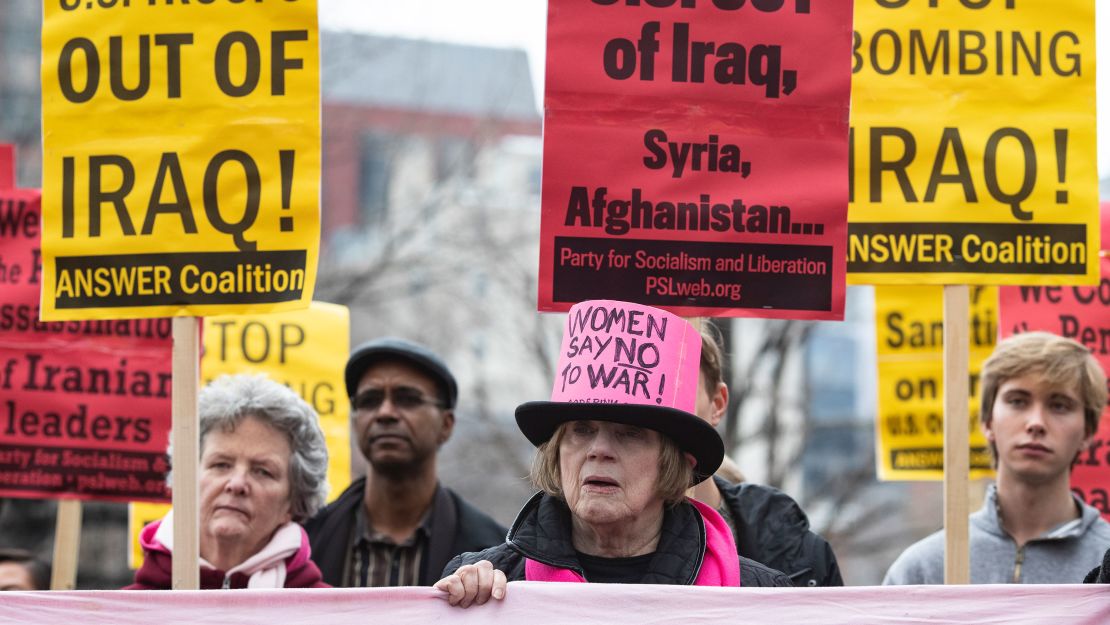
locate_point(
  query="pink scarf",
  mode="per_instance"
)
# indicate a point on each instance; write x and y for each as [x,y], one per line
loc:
[265,569]
[720,567]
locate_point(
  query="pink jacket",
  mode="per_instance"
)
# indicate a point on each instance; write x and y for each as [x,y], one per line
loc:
[283,563]
[720,566]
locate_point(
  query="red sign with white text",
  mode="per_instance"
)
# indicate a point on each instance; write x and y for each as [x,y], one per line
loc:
[84,405]
[1081,313]
[694,156]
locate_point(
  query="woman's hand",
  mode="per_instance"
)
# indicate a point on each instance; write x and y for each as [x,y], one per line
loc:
[473,584]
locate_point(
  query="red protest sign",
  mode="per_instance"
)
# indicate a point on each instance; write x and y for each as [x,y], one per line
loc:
[84,406]
[694,156]
[1081,313]
[7,165]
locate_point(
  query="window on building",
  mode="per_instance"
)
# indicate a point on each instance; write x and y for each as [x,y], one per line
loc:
[832,372]
[840,438]
[535,179]
[454,158]
[375,172]
[834,453]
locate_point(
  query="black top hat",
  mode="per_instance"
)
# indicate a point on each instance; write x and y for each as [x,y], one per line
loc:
[628,363]
[538,420]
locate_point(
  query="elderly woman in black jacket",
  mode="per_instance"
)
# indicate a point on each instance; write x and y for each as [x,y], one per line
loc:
[618,446]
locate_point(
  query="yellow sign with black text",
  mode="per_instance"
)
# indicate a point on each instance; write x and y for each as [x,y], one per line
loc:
[303,349]
[181,157]
[973,143]
[909,430]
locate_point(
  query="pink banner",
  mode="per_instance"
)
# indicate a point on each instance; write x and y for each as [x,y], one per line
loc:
[572,604]
[694,156]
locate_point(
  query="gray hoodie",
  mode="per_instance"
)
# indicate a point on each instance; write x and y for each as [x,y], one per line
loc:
[1063,555]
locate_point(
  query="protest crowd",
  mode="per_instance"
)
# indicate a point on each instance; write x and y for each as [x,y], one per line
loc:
[627,490]
[172,337]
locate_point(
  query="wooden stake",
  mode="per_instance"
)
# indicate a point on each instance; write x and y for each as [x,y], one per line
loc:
[67,544]
[186,453]
[956,433]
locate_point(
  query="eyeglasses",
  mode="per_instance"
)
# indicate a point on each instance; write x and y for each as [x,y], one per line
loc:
[402,397]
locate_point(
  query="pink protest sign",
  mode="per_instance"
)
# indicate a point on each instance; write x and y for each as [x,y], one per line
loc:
[624,353]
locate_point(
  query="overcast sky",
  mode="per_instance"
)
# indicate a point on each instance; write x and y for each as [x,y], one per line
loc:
[521,23]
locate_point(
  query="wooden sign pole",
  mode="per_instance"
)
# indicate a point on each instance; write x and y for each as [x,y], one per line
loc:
[67,544]
[186,453]
[956,435]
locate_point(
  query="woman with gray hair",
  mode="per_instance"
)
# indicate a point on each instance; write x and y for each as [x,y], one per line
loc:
[263,464]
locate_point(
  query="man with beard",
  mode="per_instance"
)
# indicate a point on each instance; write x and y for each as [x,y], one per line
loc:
[398,526]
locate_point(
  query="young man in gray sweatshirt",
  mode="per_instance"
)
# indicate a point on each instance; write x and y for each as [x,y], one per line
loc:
[1042,399]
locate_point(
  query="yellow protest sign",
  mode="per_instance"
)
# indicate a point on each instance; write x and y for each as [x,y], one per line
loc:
[973,143]
[909,429]
[181,157]
[303,349]
[139,515]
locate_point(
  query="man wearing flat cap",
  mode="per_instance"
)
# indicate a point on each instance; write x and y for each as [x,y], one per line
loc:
[398,526]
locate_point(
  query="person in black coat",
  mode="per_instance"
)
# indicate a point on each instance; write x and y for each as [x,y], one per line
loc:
[454,526]
[767,524]
[398,526]
[1100,574]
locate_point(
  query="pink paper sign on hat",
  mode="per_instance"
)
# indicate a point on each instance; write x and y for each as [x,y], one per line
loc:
[623,353]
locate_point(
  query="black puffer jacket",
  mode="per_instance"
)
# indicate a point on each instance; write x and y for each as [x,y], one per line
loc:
[1100,574]
[771,528]
[541,532]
